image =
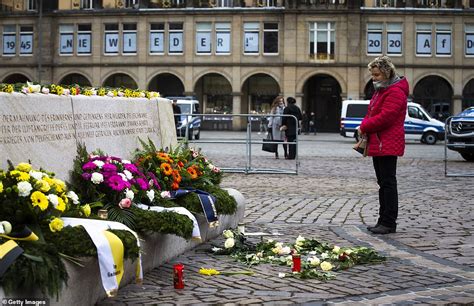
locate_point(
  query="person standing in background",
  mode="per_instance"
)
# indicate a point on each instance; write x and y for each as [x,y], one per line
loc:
[290,125]
[384,128]
[176,112]
[312,123]
[275,122]
[305,123]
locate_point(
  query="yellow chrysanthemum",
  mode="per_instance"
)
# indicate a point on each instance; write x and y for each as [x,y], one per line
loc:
[9,88]
[43,185]
[23,177]
[65,198]
[73,91]
[60,185]
[86,209]
[25,167]
[14,173]
[208,272]
[61,205]
[56,225]
[1,187]
[39,199]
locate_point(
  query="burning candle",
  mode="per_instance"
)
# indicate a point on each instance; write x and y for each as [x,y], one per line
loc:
[102,213]
[178,278]
[296,263]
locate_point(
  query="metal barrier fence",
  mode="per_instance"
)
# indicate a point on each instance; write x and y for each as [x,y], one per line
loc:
[451,143]
[187,131]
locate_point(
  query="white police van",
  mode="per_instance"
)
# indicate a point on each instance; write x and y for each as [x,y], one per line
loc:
[189,106]
[419,125]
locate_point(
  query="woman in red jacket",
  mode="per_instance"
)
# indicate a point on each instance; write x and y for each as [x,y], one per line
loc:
[383,126]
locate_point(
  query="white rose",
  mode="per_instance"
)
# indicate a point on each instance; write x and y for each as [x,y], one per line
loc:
[5,227]
[229,243]
[128,174]
[326,266]
[24,189]
[45,90]
[336,249]
[165,194]
[37,175]
[211,166]
[97,178]
[324,255]
[285,250]
[151,195]
[53,199]
[228,234]
[110,94]
[73,196]
[129,194]
[314,261]
[98,163]
[125,161]
[300,240]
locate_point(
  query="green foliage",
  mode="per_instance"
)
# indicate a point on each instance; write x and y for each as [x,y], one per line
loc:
[163,222]
[314,255]
[39,267]
[74,241]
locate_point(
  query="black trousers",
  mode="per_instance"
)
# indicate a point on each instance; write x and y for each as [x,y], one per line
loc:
[386,172]
[291,147]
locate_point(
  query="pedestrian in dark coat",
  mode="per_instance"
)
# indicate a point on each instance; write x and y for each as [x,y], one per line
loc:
[290,125]
[384,127]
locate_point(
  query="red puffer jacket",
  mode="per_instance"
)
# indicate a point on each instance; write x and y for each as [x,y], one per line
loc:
[384,122]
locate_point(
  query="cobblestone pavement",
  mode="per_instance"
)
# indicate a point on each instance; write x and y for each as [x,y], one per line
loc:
[333,198]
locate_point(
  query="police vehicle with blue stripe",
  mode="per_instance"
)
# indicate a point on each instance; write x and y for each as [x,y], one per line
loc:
[419,125]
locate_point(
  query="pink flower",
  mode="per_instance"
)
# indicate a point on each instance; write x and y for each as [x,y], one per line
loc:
[89,166]
[109,168]
[131,167]
[125,203]
[116,183]
[142,183]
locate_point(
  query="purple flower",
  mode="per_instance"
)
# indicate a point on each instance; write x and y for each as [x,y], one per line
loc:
[154,180]
[142,183]
[116,158]
[86,176]
[131,167]
[116,183]
[109,168]
[89,166]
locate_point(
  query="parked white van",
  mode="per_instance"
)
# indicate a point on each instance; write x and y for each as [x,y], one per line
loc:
[419,125]
[188,120]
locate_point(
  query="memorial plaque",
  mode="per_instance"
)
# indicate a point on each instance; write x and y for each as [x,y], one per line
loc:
[39,128]
[45,129]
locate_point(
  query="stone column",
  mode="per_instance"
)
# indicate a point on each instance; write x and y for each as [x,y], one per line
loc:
[457,104]
[237,122]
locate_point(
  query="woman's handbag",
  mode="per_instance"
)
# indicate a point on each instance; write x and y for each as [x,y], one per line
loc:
[361,146]
[269,147]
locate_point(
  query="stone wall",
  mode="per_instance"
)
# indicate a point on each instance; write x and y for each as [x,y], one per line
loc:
[46,129]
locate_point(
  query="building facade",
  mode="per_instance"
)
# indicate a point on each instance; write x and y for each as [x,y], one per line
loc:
[236,56]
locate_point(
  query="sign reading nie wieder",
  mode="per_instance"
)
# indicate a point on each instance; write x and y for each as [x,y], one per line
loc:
[46,129]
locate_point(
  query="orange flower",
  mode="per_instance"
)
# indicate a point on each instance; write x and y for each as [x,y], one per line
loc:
[176,176]
[192,171]
[166,168]
[175,185]
[180,164]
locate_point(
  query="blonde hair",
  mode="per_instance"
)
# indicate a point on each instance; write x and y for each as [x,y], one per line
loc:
[385,65]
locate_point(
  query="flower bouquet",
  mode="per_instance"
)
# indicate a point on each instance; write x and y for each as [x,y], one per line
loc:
[35,197]
[32,202]
[179,167]
[112,183]
[116,185]
[185,168]
[318,259]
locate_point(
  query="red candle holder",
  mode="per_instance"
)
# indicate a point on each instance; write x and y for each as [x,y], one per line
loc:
[296,263]
[178,278]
